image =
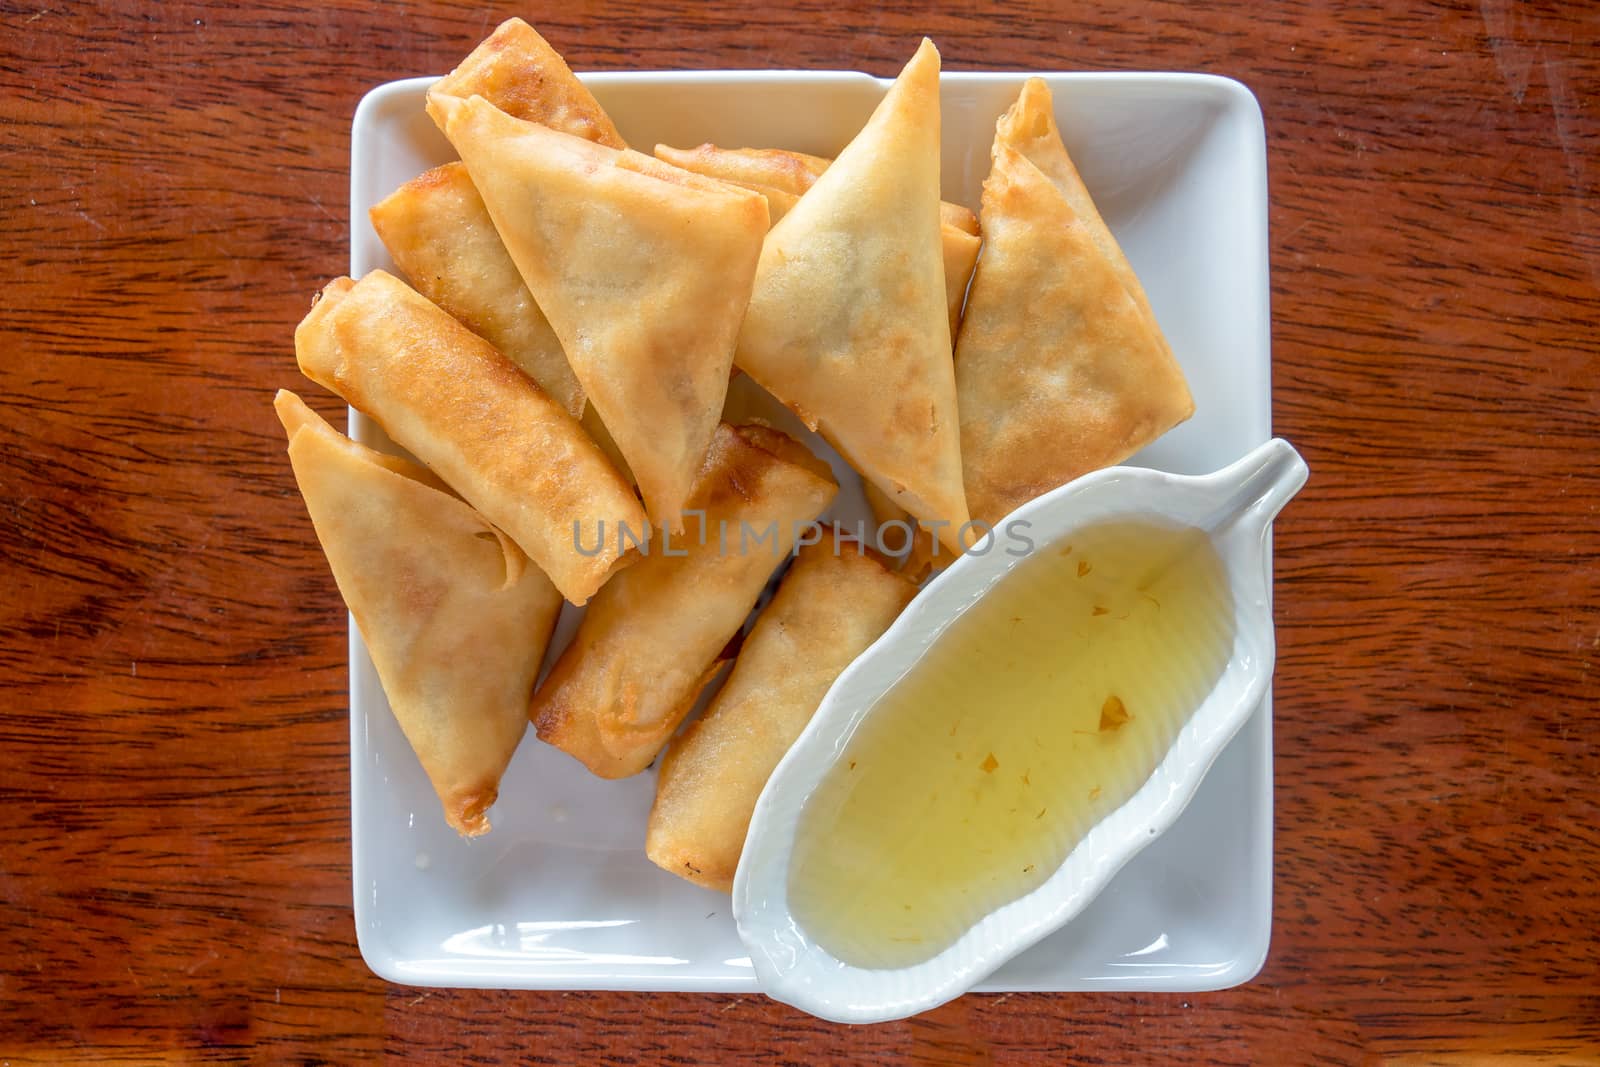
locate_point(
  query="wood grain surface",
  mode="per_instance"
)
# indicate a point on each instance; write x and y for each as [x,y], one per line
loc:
[174,807]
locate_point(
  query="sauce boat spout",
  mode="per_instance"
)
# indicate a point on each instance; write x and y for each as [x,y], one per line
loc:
[1255,488]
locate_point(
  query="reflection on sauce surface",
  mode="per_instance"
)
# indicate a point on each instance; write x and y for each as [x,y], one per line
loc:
[1036,713]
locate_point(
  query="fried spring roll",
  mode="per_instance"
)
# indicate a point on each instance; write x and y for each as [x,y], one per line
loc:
[483,426]
[913,548]
[454,616]
[656,633]
[827,610]
[897,542]
[440,235]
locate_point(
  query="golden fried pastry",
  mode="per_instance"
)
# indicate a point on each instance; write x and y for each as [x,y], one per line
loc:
[783,177]
[1060,366]
[482,425]
[848,324]
[834,602]
[440,235]
[642,269]
[455,617]
[518,72]
[657,632]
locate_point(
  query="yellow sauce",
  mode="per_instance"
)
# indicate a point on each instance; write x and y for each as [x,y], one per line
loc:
[1040,710]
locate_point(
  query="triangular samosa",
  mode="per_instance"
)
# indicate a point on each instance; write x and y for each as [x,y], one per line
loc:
[643,270]
[848,325]
[1029,126]
[783,177]
[764,169]
[518,72]
[1060,366]
[754,168]
[454,615]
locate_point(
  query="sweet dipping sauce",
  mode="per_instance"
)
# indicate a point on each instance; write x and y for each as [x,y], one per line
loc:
[1040,710]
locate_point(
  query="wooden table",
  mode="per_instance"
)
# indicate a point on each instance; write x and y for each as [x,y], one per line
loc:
[174,821]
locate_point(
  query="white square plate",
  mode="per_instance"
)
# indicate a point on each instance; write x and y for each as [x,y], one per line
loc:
[559,895]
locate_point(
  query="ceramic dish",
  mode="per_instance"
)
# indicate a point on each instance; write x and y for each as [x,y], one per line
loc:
[1234,507]
[560,894]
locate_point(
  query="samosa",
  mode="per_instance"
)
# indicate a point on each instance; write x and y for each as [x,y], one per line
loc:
[440,235]
[643,270]
[517,71]
[848,323]
[783,177]
[1061,368]
[779,169]
[455,617]
[1029,126]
